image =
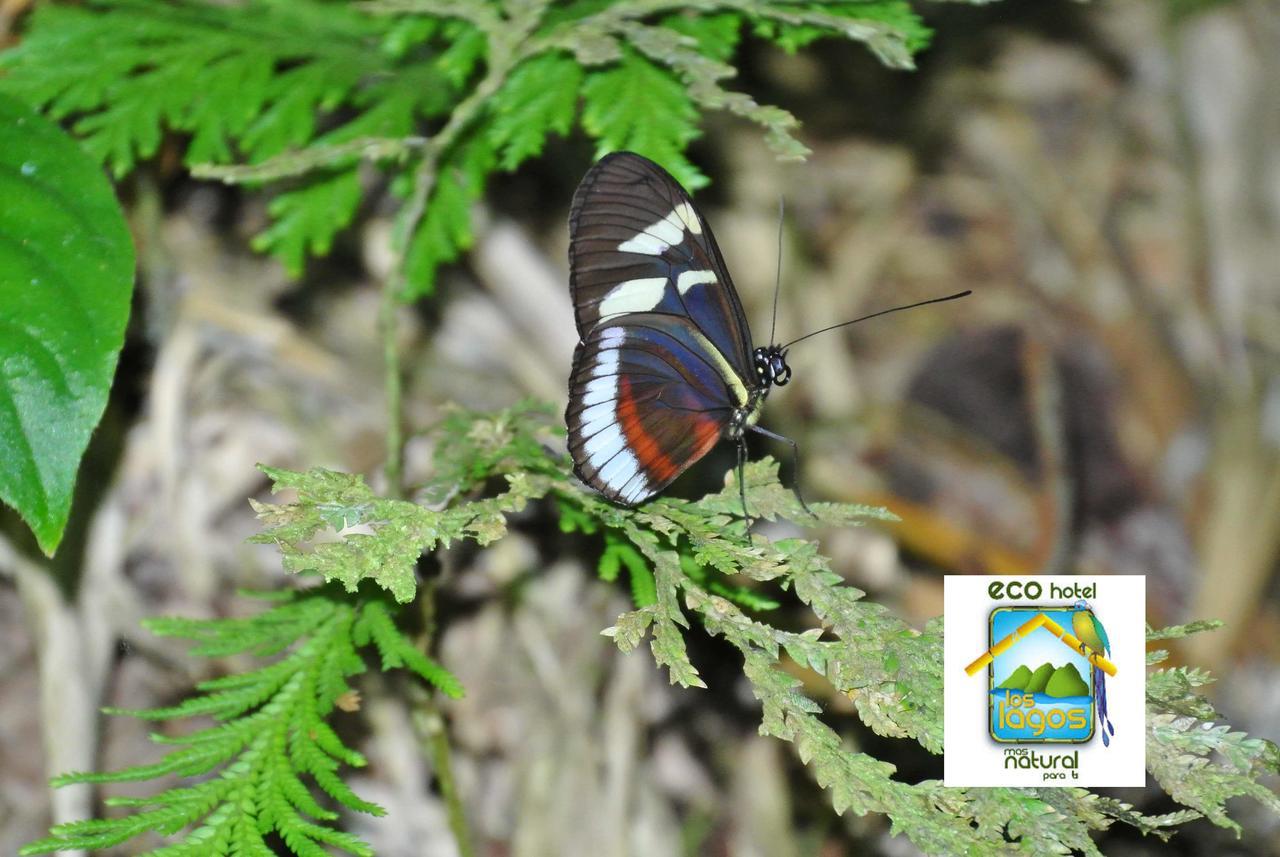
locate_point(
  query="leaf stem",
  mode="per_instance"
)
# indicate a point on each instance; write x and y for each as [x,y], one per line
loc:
[441,756]
[393,465]
[503,56]
[309,160]
[433,728]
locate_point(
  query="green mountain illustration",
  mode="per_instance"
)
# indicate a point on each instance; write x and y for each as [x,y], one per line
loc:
[1017,680]
[1047,679]
[1066,681]
[1040,678]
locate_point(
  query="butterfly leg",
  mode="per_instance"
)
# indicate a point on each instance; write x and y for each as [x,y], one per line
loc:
[795,462]
[742,485]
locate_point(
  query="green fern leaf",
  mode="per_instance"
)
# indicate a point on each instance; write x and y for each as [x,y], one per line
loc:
[131,69]
[631,628]
[639,106]
[307,219]
[466,47]
[668,643]
[891,28]
[397,651]
[272,732]
[1180,751]
[716,35]
[294,101]
[445,230]
[540,97]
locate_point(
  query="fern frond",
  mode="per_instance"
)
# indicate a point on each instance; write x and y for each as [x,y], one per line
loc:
[1194,756]
[891,29]
[252,81]
[445,228]
[636,105]
[306,91]
[700,560]
[257,76]
[273,737]
[540,98]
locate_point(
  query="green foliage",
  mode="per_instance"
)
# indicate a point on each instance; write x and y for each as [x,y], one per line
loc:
[472,448]
[637,105]
[1194,756]
[367,536]
[892,29]
[65,289]
[697,564]
[258,77]
[1174,632]
[687,561]
[440,95]
[619,553]
[307,218]
[541,98]
[275,755]
[338,528]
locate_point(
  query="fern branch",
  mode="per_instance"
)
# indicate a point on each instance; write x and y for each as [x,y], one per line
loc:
[273,735]
[703,75]
[890,670]
[482,15]
[309,160]
[501,60]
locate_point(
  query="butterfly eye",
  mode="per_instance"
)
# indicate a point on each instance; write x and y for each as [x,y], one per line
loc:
[779,371]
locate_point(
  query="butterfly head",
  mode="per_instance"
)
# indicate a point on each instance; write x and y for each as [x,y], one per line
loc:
[771,366]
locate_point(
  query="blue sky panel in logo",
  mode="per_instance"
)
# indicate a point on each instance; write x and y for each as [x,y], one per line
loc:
[1040,691]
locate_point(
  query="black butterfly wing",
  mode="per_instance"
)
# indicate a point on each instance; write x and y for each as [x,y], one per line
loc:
[638,245]
[648,397]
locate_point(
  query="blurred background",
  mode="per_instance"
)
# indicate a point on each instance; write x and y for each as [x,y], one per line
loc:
[1105,177]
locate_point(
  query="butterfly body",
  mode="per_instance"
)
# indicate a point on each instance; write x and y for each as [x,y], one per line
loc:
[665,367]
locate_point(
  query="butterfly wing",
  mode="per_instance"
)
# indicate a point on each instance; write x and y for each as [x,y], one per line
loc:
[647,398]
[664,357]
[638,245]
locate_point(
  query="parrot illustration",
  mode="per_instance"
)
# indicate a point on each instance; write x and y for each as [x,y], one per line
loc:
[1092,634]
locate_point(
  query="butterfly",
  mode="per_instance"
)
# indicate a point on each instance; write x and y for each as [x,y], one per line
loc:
[665,367]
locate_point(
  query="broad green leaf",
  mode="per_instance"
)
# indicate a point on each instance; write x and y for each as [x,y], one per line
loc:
[66,276]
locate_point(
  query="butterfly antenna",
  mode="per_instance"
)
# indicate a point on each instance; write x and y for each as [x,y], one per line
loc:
[881,312]
[777,281]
